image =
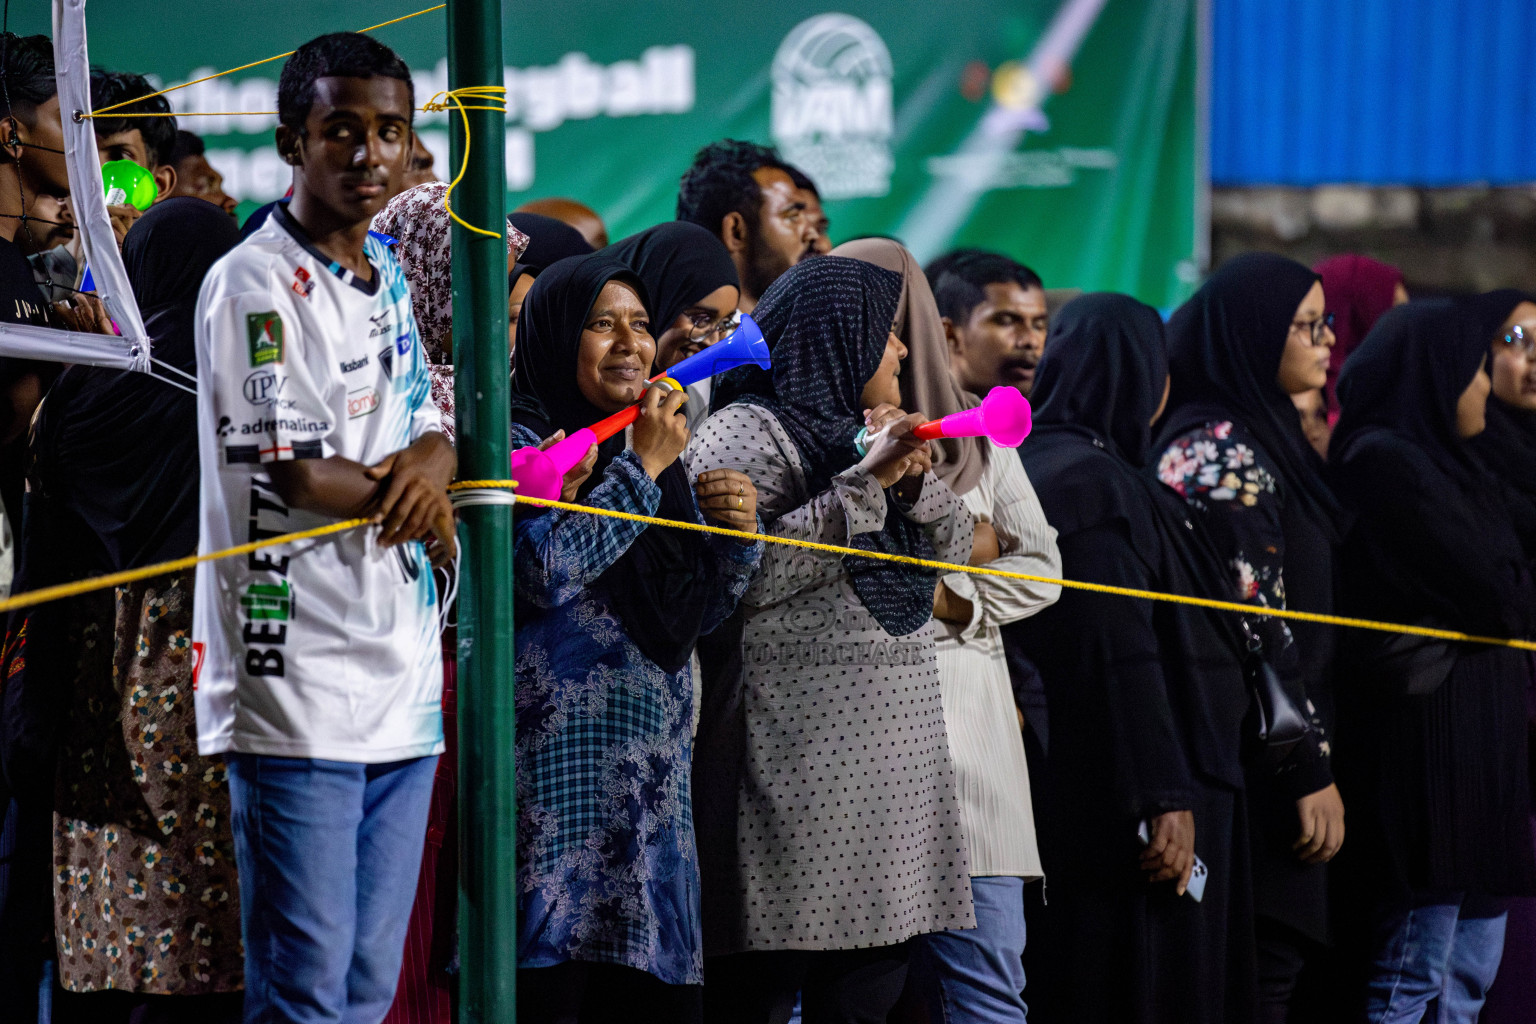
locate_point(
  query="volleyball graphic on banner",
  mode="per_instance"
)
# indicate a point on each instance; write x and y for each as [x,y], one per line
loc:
[831,105]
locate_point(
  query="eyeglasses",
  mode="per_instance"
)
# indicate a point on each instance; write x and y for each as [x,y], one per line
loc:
[1518,338]
[1314,327]
[703,326]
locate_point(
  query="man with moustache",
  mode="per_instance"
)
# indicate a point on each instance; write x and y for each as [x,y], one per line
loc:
[995,318]
[747,195]
[810,195]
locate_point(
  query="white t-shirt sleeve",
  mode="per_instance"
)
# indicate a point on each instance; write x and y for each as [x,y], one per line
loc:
[425,419]
[268,389]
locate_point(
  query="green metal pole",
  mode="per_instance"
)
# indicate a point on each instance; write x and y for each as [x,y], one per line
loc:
[487,822]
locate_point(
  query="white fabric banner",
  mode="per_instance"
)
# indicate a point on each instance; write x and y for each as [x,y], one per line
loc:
[56,345]
[72,69]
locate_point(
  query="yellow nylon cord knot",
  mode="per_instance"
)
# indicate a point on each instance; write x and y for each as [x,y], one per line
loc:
[491,97]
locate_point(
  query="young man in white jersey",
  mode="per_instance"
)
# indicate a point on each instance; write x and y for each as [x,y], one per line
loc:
[319,670]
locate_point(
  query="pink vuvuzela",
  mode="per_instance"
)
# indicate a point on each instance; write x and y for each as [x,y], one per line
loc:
[1004,416]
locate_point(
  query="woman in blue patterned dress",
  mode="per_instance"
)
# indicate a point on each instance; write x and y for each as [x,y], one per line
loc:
[608,612]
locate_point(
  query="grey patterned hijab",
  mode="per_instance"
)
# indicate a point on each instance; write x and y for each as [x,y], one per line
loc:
[927,386]
[826,322]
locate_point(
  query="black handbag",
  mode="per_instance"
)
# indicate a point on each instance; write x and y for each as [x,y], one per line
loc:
[1280,724]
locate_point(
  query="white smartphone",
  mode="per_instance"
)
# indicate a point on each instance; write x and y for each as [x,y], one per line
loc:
[1197,875]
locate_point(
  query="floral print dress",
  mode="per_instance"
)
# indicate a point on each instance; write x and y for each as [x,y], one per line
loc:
[607,866]
[1211,467]
[145,894]
[1224,473]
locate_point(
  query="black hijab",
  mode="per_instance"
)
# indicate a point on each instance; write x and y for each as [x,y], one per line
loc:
[655,586]
[115,451]
[1402,464]
[1406,378]
[1508,446]
[1099,384]
[1224,349]
[1096,390]
[826,321]
[1109,366]
[549,242]
[680,263]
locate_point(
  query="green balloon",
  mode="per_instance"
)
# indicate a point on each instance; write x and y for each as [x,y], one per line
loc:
[128,184]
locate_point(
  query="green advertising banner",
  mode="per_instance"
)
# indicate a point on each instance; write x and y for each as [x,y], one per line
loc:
[1062,132]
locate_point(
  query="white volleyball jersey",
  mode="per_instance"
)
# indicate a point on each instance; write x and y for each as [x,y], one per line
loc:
[326,648]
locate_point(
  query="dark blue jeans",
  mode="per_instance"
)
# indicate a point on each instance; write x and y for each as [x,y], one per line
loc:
[329,853]
[1444,946]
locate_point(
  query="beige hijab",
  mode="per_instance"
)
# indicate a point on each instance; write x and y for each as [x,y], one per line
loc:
[927,386]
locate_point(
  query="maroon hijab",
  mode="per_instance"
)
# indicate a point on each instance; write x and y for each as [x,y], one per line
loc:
[1358,290]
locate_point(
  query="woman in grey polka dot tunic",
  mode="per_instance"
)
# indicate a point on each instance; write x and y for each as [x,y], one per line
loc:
[846,827]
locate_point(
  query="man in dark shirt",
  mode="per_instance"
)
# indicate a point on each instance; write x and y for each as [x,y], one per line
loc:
[31,165]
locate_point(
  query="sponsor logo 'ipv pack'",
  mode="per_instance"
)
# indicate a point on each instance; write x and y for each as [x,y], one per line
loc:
[263,387]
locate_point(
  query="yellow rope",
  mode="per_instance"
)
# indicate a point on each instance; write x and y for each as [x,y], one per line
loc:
[496,98]
[981,570]
[63,590]
[243,67]
[191,113]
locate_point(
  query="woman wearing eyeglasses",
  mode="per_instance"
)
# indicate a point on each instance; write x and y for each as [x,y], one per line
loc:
[1508,448]
[1436,767]
[1254,335]
[693,286]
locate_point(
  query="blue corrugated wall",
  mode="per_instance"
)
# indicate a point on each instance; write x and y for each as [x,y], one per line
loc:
[1410,92]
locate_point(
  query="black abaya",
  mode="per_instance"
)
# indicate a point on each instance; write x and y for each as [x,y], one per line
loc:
[1225,346]
[1146,700]
[1437,783]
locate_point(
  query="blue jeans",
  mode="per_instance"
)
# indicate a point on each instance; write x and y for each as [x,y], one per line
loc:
[328,853]
[1444,946]
[977,974]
